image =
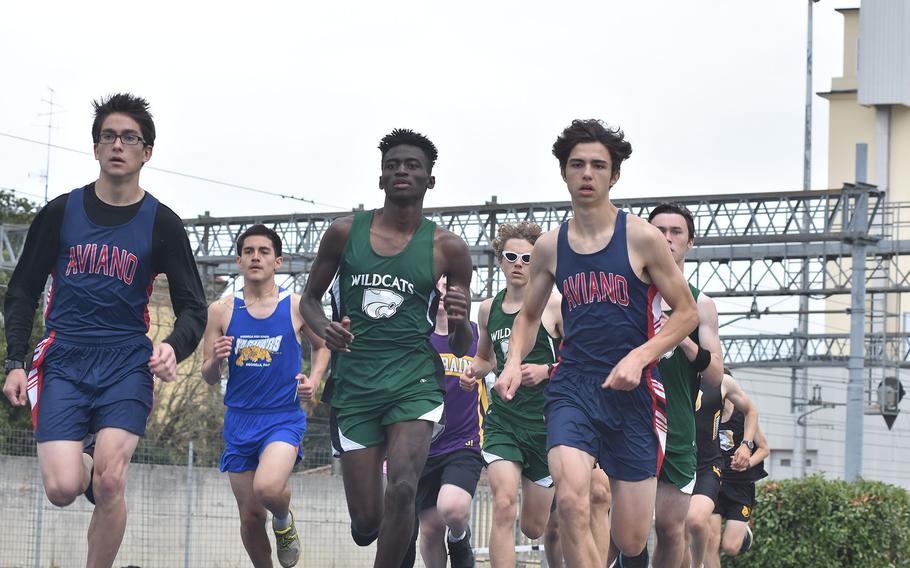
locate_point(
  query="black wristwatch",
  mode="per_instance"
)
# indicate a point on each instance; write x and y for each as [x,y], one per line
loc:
[749,444]
[12,364]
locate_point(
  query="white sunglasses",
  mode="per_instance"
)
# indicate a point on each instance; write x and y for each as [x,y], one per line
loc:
[513,256]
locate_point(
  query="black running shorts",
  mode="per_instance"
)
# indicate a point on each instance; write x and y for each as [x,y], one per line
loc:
[460,468]
[736,501]
[707,482]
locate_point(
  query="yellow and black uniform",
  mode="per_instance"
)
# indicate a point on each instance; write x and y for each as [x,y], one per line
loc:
[737,488]
[392,373]
[708,408]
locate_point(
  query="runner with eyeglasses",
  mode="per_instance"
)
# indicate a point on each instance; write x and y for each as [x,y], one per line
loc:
[515,434]
[91,377]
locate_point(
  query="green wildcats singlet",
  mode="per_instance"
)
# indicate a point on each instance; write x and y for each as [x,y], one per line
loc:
[527,406]
[392,302]
[681,384]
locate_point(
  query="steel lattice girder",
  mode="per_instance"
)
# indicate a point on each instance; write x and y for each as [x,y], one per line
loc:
[749,245]
[775,270]
[788,218]
[797,216]
[12,239]
[761,276]
[821,350]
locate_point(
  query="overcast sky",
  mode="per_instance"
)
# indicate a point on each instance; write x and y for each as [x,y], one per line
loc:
[294,98]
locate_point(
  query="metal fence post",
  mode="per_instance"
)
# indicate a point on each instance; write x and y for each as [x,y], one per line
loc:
[39,515]
[189,507]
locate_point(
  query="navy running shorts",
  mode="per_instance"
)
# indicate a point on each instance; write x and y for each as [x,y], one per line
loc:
[77,388]
[625,431]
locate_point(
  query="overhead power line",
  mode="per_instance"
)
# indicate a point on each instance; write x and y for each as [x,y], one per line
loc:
[20,192]
[181,174]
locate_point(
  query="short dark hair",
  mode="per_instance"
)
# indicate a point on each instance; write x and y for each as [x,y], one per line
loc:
[135,107]
[592,130]
[406,136]
[260,230]
[676,209]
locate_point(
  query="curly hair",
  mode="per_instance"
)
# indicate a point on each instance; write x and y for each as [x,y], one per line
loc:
[524,230]
[592,130]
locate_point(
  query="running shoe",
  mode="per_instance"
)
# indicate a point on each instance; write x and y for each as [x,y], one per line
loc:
[288,544]
[460,553]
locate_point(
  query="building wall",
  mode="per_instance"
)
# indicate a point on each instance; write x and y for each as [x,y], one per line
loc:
[847,81]
[884,55]
[886,454]
[900,154]
[850,124]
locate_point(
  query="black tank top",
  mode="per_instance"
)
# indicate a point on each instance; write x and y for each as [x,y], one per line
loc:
[731,436]
[708,409]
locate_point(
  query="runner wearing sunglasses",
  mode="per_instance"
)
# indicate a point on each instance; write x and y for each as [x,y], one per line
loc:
[515,435]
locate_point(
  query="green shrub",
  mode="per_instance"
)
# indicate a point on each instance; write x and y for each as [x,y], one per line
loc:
[815,522]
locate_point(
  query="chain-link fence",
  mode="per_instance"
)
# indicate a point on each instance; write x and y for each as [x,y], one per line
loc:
[182,512]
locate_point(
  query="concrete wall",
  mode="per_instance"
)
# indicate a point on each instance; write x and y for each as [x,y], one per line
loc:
[156,530]
[157,526]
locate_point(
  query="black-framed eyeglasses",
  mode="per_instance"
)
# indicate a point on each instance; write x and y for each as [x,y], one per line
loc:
[513,256]
[127,138]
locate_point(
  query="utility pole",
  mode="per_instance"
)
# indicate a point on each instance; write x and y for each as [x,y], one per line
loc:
[50,125]
[853,438]
[801,374]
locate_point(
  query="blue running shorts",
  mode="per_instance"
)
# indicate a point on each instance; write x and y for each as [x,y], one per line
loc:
[247,433]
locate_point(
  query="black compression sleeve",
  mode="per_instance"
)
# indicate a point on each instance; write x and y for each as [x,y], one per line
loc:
[30,275]
[171,255]
[702,360]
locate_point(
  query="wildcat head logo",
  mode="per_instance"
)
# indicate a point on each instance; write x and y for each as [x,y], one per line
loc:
[381,303]
[253,354]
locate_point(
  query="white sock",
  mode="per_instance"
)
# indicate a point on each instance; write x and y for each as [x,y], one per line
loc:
[281,524]
[453,538]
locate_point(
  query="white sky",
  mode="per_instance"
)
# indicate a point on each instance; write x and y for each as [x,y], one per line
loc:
[293,98]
